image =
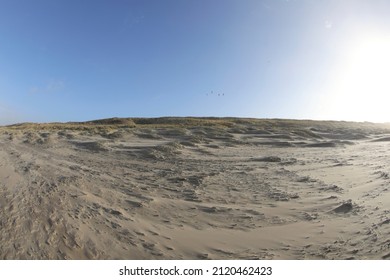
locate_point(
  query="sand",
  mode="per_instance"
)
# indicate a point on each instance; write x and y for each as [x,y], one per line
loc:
[175,188]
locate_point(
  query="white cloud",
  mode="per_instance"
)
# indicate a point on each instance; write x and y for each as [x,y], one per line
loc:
[328,24]
[9,115]
[132,19]
[55,85]
[52,86]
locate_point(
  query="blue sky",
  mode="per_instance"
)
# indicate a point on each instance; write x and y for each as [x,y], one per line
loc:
[74,60]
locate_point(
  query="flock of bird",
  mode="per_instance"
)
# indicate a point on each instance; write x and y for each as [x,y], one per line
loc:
[212,93]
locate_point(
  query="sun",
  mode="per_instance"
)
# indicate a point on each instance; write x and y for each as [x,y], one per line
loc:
[361,90]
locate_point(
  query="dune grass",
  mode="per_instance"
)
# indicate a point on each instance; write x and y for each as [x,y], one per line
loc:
[299,127]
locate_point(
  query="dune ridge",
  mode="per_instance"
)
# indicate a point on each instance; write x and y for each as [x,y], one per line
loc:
[195,188]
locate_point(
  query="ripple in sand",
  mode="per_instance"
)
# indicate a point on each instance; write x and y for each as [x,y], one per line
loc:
[344,208]
[268,159]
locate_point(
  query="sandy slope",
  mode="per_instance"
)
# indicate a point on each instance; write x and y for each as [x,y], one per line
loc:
[245,191]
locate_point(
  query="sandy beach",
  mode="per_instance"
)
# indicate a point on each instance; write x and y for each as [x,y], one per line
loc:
[195,188]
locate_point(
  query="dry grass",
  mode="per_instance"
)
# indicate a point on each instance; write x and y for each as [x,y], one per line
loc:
[274,125]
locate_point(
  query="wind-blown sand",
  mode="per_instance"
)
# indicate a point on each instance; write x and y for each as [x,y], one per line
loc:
[186,188]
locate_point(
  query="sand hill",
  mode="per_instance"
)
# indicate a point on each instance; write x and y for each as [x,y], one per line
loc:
[195,188]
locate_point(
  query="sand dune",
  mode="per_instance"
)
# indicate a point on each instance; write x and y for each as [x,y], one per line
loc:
[195,188]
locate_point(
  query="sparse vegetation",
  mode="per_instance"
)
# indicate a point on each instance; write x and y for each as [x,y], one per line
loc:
[304,128]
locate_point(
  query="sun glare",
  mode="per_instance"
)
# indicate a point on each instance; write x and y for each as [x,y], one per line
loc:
[362,88]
